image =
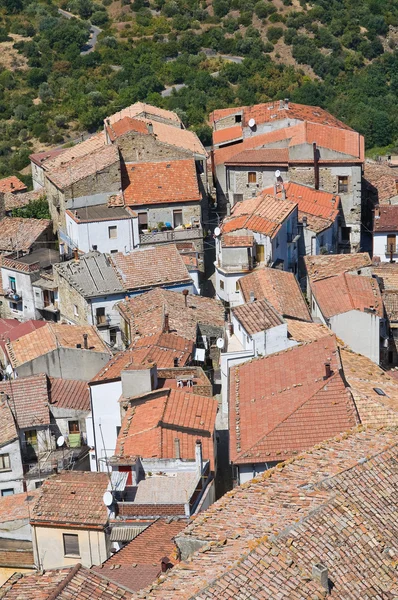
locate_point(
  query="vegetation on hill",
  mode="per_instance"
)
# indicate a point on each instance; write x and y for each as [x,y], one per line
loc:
[340,54]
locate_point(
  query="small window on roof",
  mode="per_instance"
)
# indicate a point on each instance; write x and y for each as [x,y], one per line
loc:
[238,118]
[380,392]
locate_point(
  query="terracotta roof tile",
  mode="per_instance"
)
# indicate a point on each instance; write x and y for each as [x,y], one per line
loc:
[12,184]
[280,288]
[13,201]
[124,125]
[386,219]
[120,362]
[163,348]
[19,234]
[145,313]
[63,584]
[331,505]
[160,265]
[16,507]
[8,429]
[174,136]
[275,400]
[344,292]
[316,224]
[140,109]
[390,301]
[69,393]
[151,424]
[381,180]
[328,265]
[237,241]
[257,316]
[271,112]
[28,400]
[160,182]
[76,169]
[13,329]
[263,156]
[72,497]
[228,134]
[40,157]
[263,214]
[93,143]
[387,274]
[311,201]
[301,331]
[48,338]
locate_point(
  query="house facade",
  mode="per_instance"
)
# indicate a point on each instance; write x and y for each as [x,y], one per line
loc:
[385,232]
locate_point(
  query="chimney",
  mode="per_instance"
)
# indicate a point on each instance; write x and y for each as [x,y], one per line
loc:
[328,370]
[185,294]
[281,104]
[12,185]
[252,297]
[377,211]
[228,209]
[175,361]
[177,450]
[108,122]
[166,326]
[198,456]
[287,103]
[320,574]
[305,221]
[150,128]
[76,254]
[316,166]
[283,192]
[85,341]
[164,564]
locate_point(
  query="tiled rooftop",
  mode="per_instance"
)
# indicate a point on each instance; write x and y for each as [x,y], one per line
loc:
[124,125]
[140,109]
[345,292]
[228,134]
[331,505]
[17,233]
[381,180]
[236,241]
[163,348]
[93,274]
[257,316]
[72,497]
[174,136]
[263,214]
[327,265]
[28,400]
[69,393]
[63,584]
[12,184]
[390,301]
[387,274]
[281,290]
[160,182]
[50,337]
[262,156]
[145,313]
[152,423]
[143,269]
[16,507]
[301,331]
[81,167]
[12,201]
[99,212]
[93,143]
[13,329]
[386,219]
[41,157]
[282,404]
[8,429]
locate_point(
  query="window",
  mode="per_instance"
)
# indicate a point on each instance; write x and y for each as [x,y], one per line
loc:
[238,118]
[71,544]
[38,484]
[112,232]
[177,218]
[101,317]
[345,234]
[142,221]
[237,288]
[221,285]
[31,437]
[113,251]
[5,464]
[113,336]
[12,284]
[7,492]
[15,306]
[73,427]
[260,253]
[75,310]
[251,177]
[342,184]
[380,392]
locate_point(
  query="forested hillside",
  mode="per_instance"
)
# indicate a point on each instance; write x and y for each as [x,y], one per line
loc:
[340,54]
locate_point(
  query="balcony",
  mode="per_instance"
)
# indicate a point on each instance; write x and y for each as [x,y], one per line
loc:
[170,235]
[391,249]
[13,295]
[292,238]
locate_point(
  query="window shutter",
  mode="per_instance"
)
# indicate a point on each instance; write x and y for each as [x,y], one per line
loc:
[71,544]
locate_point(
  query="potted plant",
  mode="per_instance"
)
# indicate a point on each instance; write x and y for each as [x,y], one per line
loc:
[161,226]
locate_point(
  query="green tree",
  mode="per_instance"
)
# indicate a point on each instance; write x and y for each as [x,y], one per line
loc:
[36,209]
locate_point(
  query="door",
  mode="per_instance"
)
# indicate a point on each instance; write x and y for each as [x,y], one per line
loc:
[260,253]
[391,244]
[177,218]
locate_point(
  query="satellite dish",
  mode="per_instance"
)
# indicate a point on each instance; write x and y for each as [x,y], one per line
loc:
[107,499]
[277,173]
[60,441]
[220,343]
[217,231]
[252,123]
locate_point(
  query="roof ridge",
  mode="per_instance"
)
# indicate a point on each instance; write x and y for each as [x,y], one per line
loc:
[63,584]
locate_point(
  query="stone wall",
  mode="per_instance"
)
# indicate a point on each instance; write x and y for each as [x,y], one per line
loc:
[68,298]
[135,147]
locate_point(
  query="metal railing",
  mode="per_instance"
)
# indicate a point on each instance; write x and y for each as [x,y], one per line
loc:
[171,235]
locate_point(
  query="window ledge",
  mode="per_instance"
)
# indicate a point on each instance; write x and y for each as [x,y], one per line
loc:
[72,556]
[5,470]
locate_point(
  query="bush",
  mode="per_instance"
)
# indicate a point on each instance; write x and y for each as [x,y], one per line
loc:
[274,34]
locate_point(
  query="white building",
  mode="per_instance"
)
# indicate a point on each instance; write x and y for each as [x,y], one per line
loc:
[385,232]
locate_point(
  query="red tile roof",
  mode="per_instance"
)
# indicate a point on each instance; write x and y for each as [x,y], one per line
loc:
[263,214]
[72,497]
[151,425]
[28,400]
[342,293]
[263,156]
[142,110]
[118,363]
[381,180]
[13,329]
[261,540]
[227,135]
[301,331]
[69,393]
[12,184]
[257,316]
[281,404]
[40,157]
[8,429]
[280,288]
[157,266]
[311,201]
[16,507]
[237,241]
[119,128]
[386,219]
[13,201]
[328,265]
[88,146]
[160,182]
[145,313]
[271,112]
[63,584]
[163,348]
[17,233]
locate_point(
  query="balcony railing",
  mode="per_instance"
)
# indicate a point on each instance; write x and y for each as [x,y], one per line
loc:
[171,235]
[13,295]
[391,249]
